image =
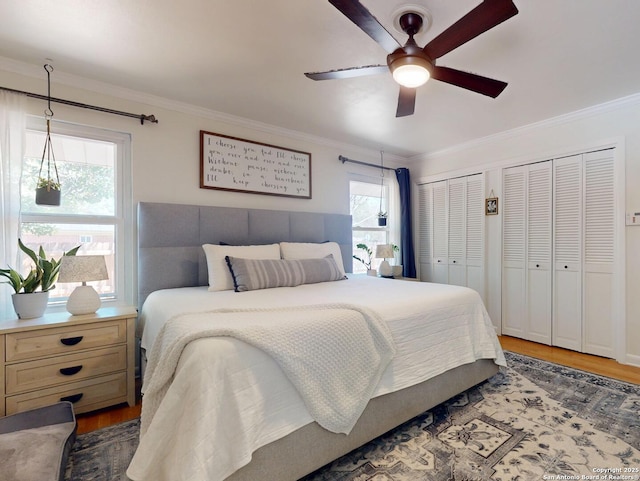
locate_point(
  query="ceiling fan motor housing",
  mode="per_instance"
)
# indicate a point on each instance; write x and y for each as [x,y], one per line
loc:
[411,54]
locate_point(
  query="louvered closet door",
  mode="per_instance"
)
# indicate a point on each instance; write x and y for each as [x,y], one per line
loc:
[567,227]
[538,248]
[475,234]
[599,242]
[439,263]
[425,252]
[456,253]
[513,252]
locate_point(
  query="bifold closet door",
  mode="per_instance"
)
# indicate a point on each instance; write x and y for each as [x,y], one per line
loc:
[425,230]
[475,234]
[440,240]
[539,240]
[514,235]
[432,200]
[567,227]
[584,234]
[526,280]
[456,232]
[599,253]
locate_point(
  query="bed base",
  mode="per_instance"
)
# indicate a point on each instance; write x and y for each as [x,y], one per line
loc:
[311,447]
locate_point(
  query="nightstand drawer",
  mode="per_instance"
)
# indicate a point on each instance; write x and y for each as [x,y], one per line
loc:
[85,395]
[42,373]
[61,340]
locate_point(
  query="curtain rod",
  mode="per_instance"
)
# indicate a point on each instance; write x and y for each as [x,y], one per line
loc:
[344,159]
[142,117]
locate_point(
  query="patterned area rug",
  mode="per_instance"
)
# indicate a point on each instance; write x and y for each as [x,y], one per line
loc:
[533,421]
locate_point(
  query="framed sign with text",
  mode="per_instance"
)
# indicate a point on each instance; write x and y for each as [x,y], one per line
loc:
[230,163]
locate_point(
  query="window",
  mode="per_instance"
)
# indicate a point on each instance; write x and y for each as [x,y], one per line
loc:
[96,201]
[365,203]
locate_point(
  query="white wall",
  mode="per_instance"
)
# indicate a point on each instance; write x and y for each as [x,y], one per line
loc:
[617,121]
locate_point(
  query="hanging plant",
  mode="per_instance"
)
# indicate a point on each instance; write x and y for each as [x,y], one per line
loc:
[48,189]
[382,219]
[47,192]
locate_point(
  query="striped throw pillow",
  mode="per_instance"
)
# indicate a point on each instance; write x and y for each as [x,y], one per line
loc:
[253,274]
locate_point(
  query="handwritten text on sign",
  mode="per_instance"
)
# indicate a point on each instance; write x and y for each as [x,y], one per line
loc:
[229,163]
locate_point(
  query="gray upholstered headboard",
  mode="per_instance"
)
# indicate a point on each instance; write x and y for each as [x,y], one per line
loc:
[170,238]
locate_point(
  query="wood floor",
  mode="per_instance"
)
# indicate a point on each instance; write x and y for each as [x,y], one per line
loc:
[585,362]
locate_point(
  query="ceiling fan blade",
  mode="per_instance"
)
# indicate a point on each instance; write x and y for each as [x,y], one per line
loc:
[358,14]
[348,72]
[470,81]
[482,18]
[406,102]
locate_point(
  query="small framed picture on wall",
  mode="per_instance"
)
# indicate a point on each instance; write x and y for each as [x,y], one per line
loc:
[491,206]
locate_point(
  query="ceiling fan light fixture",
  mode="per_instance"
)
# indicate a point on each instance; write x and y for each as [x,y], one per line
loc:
[411,72]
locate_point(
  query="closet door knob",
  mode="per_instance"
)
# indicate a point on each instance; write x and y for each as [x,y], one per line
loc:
[537,265]
[566,267]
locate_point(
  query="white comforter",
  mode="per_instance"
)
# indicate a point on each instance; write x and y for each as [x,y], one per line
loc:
[228,398]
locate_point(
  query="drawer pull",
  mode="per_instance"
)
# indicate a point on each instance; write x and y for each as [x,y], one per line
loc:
[71,341]
[74,398]
[70,371]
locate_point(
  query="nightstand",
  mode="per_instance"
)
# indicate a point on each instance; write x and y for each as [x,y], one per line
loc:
[88,360]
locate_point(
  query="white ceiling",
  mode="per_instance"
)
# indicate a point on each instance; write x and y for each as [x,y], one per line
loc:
[247,58]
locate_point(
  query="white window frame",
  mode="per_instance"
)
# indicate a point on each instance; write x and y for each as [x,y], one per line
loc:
[389,205]
[123,219]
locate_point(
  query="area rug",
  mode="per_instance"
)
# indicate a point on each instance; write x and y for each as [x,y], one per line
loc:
[532,421]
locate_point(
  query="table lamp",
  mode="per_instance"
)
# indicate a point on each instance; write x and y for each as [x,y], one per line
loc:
[384,251]
[84,299]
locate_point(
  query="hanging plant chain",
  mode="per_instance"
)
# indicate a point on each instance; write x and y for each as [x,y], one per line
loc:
[48,145]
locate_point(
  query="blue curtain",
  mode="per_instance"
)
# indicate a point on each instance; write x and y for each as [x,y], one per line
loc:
[406,236]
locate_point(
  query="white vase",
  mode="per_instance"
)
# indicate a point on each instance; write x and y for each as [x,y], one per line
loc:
[30,305]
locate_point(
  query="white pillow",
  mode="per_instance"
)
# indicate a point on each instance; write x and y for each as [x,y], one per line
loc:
[219,276]
[310,250]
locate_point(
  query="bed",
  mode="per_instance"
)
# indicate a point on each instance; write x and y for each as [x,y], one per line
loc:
[443,343]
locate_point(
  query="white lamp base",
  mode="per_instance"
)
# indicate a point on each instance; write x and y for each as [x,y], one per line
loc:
[83,300]
[385,269]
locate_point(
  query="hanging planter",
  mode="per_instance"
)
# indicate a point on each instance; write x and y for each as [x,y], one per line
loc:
[48,188]
[382,219]
[47,192]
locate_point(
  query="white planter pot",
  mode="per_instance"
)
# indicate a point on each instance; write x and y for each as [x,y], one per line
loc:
[28,306]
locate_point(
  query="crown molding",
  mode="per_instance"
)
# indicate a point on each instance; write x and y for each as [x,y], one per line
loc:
[60,77]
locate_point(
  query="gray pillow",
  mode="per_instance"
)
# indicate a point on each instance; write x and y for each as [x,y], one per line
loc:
[252,274]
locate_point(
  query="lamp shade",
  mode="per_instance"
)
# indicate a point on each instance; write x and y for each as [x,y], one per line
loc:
[84,299]
[384,251]
[82,269]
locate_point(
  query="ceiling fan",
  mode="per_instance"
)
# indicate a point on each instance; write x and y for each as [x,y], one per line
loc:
[411,65]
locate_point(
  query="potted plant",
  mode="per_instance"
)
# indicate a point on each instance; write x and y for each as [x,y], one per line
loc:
[47,192]
[27,300]
[382,219]
[397,269]
[367,261]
